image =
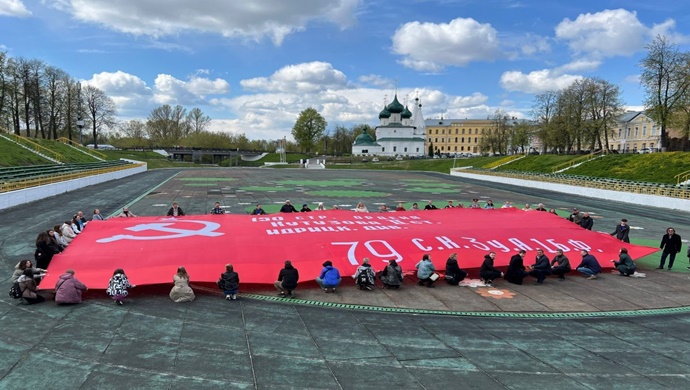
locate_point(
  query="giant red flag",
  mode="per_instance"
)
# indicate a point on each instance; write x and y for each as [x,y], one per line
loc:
[150,249]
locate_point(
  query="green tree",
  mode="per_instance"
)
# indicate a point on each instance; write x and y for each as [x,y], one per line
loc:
[431,149]
[308,129]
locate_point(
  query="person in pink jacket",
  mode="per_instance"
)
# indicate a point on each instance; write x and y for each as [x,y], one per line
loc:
[68,289]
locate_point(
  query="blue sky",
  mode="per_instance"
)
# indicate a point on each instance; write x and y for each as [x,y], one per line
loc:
[252,66]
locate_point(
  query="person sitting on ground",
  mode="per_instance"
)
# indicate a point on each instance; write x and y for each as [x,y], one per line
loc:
[67,232]
[126,213]
[229,282]
[575,217]
[82,218]
[305,208]
[320,207]
[56,240]
[80,221]
[489,204]
[527,207]
[541,207]
[287,280]
[58,236]
[454,274]
[29,288]
[23,265]
[74,224]
[426,271]
[361,208]
[430,206]
[625,265]
[622,230]
[365,275]
[68,289]
[392,275]
[541,267]
[400,207]
[415,206]
[507,205]
[475,204]
[553,211]
[45,250]
[383,209]
[181,291]
[329,279]
[97,215]
[217,209]
[589,266]
[175,210]
[118,286]
[586,222]
[288,208]
[560,265]
[487,271]
[450,205]
[516,268]
[258,210]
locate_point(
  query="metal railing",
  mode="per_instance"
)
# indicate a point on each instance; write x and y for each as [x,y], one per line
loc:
[36,147]
[504,160]
[682,192]
[39,181]
[576,160]
[82,148]
[682,177]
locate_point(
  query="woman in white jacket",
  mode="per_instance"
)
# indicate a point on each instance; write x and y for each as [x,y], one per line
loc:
[67,232]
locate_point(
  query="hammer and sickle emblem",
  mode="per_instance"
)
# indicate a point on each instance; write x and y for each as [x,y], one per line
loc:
[207,230]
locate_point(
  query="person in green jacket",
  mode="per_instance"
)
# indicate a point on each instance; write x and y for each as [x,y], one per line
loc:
[624,264]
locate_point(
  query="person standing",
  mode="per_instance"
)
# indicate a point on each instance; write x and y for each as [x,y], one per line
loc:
[622,230]
[541,267]
[217,209]
[126,213]
[258,210]
[425,271]
[589,265]
[175,210]
[288,208]
[560,265]
[516,268]
[671,244]
[625,265]
[68,289]
[430,206]
[329,279]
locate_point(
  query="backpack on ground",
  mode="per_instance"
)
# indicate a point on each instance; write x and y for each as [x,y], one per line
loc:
[365,278]
[15,291]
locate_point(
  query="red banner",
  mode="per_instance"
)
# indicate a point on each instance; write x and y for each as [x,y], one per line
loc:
[150,249]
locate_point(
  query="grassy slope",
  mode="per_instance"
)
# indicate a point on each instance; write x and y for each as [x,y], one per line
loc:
[14,155]
[71,155]
[433,165]
[654,167]
[541,163]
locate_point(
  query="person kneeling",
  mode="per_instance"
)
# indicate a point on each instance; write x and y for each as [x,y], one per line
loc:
[365,275]
[29,288]
[392,275]
[229,282]
[454,274]
[625,264]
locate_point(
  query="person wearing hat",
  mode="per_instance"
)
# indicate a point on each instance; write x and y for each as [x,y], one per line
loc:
[575,216]
[288,208]
[329,278]
[622,230]
[305,208]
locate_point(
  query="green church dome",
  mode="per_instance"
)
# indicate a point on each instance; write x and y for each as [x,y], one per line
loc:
[395,107]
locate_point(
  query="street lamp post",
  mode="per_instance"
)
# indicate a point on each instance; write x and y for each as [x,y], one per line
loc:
[80,120]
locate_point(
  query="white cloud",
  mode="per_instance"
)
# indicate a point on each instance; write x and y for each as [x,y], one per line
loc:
[129,92]
[13,8]
[376,81]
[246,20]
[580,65]
[432,46]
[633,79]
[611,33]
[305,77]
[537,81]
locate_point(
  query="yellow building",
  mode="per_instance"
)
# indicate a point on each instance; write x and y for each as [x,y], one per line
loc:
[450,136]
[636,132]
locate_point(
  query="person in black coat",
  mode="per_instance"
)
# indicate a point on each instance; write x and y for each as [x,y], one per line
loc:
[288,208]
[45,250]
[454,274]
[671,244]
[287,280]
[541,267]
[487,271]
[229,282]
[586,222]
[622,231]
[516,268]
[175,210]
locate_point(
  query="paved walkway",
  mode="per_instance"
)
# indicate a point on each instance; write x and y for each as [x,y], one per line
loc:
[153,343]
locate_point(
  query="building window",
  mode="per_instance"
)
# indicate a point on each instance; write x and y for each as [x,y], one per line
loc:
[436,139]
[644,130]
[644,145]
[463,131]
[475,140]
[383,149]
[651,145]
[462,148]
[365,151]
[441,148]
[456,140]
[417,150]
[436,131]
[405,150]
[395,148]
[637,129]
[463,139]
[627,134]
[429,131]
[456,131]
[429,139]
[620,132]
[455,149]
[476,131]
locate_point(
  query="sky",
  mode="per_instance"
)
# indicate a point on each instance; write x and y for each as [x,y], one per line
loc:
[253,66]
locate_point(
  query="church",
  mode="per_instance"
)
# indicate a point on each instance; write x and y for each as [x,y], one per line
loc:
[400,133]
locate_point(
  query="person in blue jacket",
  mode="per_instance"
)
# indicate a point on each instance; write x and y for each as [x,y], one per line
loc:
[589,265]
[425,271]
[329,278]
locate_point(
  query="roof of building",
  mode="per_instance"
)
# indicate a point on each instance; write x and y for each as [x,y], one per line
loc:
[384,113]
[628,116]
[365,139]
[400,139]
[395,107]
[406,114]
[396,126]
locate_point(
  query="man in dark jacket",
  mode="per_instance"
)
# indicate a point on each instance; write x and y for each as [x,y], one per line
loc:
[586,222]
[288,208]
[589,265]
[175,210]
[516,268]
[287,280]
[671,245]
[622,231]
[541,267]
